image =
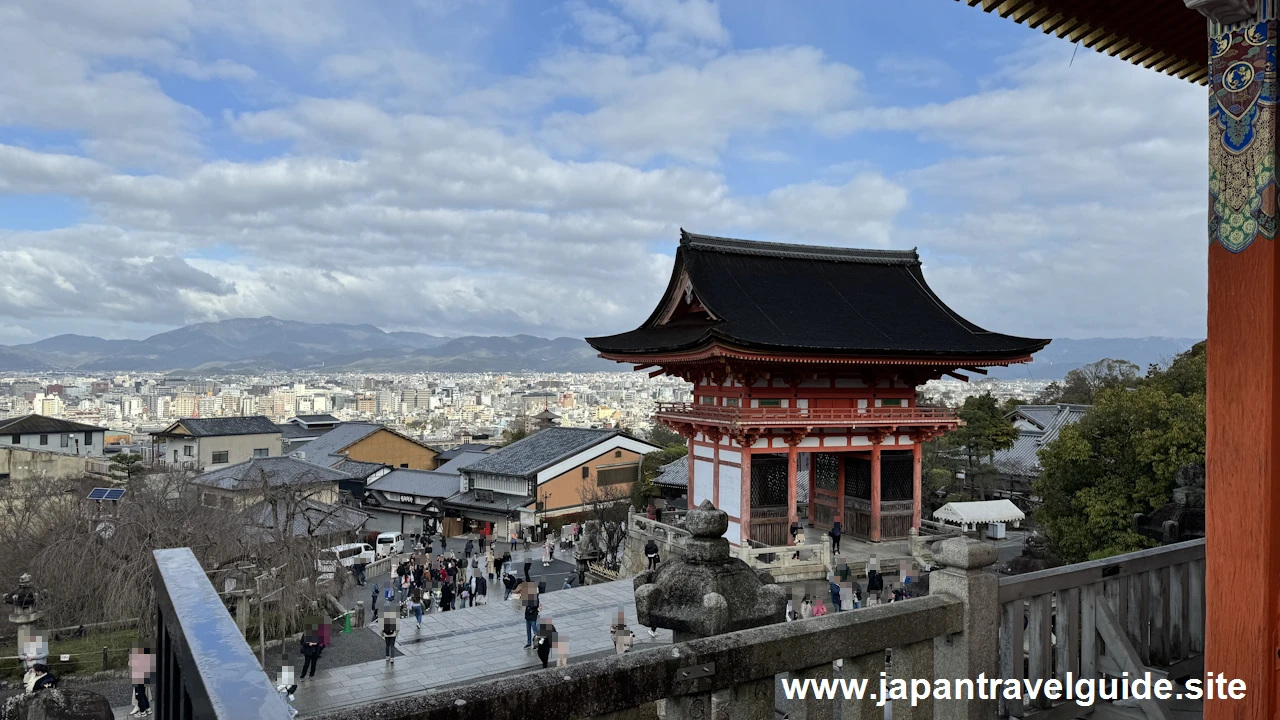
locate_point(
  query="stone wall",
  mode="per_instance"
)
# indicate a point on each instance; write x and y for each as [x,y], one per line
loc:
[20,464]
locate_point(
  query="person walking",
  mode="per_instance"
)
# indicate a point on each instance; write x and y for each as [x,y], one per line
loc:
[622,636]
[547,640]
[469,548]
[513,542]
[532,606]
[482,590]
[835,536]
[482,544]
[373,604]
[651,552]
[142,668]
[526,540]
[527,564]
[508,584]
[390,628]
[546,553]
[415,605]
[311,650]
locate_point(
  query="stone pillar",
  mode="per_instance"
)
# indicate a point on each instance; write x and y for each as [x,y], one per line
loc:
[917,469]
[792,458]
[875,489]
[1242,461]
[975,651]
[726,595]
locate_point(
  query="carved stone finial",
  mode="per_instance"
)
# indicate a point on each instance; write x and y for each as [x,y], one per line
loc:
[1225,12]
[708,592]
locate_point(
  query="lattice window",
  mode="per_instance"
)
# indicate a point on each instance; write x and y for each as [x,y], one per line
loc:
[826,469]
[895,476]
[768,481]
[857,478]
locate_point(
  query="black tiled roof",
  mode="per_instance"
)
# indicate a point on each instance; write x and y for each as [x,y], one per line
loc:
[277,471]
[212,427]
[322,418]
[539,451]
[500,503]
[43,424]
[454,452]
[417,482]
[822,300]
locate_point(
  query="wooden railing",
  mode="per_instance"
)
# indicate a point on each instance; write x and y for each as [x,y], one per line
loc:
[789,416]
[1128,613]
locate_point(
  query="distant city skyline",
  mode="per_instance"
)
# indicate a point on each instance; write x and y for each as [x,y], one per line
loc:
[499,167]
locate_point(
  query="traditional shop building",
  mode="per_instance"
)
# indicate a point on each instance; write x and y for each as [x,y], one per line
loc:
[801,349]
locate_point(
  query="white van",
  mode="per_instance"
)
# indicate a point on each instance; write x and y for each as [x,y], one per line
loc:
[390,543]
[346,555]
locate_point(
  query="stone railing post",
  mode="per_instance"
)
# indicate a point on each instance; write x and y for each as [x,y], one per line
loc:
[974,653]
[733,597]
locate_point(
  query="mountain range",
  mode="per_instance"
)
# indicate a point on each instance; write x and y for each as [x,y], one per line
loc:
[267,343]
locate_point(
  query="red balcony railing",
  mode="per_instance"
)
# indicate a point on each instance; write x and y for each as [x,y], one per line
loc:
[789,416]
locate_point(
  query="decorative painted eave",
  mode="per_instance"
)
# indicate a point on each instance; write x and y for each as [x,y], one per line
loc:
[1162,35]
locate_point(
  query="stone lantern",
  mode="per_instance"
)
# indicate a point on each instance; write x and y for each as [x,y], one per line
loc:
[708,592]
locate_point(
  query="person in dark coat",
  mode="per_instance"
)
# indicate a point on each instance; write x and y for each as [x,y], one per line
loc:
[651,552]
[470,548]
[446,597]
[875,583]
[835,595]
[544,639]
[311,650]
[835,536]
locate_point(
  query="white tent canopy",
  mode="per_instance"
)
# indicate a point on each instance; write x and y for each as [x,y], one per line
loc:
[969,514]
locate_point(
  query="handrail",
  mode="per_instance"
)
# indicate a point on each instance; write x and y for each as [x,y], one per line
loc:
[1021,587]
[600,687]
[204,667]
[791,415]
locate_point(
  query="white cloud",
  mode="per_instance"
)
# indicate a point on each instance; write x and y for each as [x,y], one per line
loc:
[690,112]
[420,192]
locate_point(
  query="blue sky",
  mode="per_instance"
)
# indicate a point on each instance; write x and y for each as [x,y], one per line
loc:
[491,167]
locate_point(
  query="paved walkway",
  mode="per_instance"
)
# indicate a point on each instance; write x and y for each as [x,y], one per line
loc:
[465,645]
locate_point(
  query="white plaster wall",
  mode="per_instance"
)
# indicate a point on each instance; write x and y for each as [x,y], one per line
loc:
[703,451]
[703,481]
[811,441]
[836,442]
[730,490]
[732,456]
[861,440]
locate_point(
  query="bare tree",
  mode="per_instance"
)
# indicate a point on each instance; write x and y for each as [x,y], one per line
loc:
[93,560]
[607,505]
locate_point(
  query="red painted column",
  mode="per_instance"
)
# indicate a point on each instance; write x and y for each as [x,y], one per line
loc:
[745,508]
[1242,504]
[875,489]
[690,456]
[917,468]
[792,457]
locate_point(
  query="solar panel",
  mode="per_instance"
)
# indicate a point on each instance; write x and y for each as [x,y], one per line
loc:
[106,493]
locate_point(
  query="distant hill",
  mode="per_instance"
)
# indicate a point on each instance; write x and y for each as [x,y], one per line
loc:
[1066,354]
[267,343]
